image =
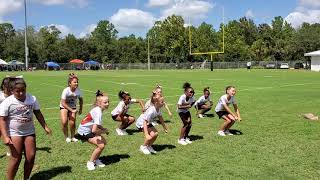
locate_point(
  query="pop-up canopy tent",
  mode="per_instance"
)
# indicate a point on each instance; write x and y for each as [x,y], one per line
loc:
[52,64]
[76,61]
[15,62]
[92,62]
[2,62]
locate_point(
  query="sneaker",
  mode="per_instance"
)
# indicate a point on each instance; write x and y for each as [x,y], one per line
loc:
[150,148]
[144,149]
[200,116]
[90,166]
[221,133]
[68,140]
[99,163]
[188,141]
[124,132]
[182,142]
[154,123]
[8,154]
[227,132]
[74,139]
[119,132]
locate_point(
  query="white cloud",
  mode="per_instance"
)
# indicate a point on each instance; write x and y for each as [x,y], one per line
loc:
[132,19]
[9,6]
[159,3]
[297,18]
[310,3]
[193,9]
[307,11]
[78,3]
[249,14]
[65,30]
[88,30]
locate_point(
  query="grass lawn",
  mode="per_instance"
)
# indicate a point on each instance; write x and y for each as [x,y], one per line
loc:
[275,141]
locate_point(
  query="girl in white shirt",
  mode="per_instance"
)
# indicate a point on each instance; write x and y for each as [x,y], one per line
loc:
[157,90]
[91,129]
[17,127]
[120,112]
[184,104]
[223,111]
[204,103]
[68,107]
[145,121]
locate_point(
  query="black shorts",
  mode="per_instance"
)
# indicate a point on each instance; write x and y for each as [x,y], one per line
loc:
[84,137]
[222,113]
[149,126]
[115,116]
[184,116]
[65,108]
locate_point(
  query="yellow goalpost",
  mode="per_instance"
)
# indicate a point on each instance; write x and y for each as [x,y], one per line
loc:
[211,53]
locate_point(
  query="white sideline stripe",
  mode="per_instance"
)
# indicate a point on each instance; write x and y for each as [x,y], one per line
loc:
[271,87]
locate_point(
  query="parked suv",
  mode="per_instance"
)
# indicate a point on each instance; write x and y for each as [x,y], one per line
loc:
[299,65]
[271,66]
[284,66]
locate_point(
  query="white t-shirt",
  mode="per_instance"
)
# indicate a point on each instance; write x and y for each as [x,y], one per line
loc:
[147,104]
[70,97]
[183,101]
[122,107]
[223,100]
[2,97]
[202,100]
[93,117]
[151,115]
[19,115]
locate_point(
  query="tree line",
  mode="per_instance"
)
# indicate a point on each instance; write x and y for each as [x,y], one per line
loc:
[168,41]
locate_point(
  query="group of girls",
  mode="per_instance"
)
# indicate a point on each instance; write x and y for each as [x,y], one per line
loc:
[18,107]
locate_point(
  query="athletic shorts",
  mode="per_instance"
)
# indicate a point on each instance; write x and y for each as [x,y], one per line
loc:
[68,110]
[115,116]
[222,113]
[184,116]
[84,137]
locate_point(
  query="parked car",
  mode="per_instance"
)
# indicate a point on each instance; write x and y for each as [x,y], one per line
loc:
[299,65]
[284,66]
[271,66]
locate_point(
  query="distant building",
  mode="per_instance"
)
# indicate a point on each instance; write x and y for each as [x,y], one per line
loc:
[315,60]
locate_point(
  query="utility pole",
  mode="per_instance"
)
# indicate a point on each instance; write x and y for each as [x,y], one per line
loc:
[25,35]
[148,53]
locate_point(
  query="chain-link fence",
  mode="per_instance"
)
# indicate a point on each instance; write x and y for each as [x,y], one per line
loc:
[193,65]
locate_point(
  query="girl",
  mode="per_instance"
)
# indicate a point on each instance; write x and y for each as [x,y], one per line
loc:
[91,130]
[120,112]
[223,111]
[157,90]
[204,103]
[68,107]
[5,92]
[145,120]
[17,127]
[184,104]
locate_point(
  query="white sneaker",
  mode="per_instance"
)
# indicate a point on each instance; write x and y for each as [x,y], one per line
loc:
[154,123]
[74,139]
[119,132]
[90,166]
[182,142]
[221,133]
[99,163]
[68,140]
[188,141]
[8,154]
[200,116]
[227,132]
[150,148]
[124,132]
[144,149]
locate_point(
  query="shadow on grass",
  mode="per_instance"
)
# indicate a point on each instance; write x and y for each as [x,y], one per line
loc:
[132,131]
[160,147]
[2,156]
[195,137]
[51,173]
[47,149]
[113,158]
[167,121]
[209,115]
[235,132]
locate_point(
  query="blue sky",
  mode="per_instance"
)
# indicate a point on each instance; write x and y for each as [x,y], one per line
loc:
[80,17]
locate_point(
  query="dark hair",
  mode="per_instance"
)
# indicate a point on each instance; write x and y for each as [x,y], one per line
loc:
[5,83]
[229,87]
[71,77]
[187,86]
[206,89]
[18,81]
[123,94]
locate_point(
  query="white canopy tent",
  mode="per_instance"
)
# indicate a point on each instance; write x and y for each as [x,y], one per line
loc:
[315,60]
[2,62]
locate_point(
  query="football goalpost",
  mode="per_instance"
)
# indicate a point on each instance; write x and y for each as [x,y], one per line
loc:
[211,53]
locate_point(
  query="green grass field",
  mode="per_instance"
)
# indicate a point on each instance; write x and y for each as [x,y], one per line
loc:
[276,142]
